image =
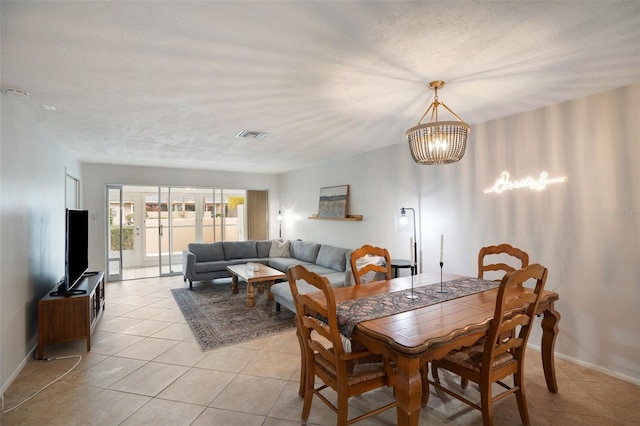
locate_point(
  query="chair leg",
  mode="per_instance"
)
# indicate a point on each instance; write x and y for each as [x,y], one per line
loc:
[308,396]
[306,408]
[485,403]
[424,371]
[464,383]
[522,402]
[303,364]
[343,409]
[434,373]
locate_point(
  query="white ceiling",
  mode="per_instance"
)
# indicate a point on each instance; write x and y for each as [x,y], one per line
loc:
[172,83]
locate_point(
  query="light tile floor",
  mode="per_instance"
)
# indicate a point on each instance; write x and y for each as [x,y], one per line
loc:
[145,367]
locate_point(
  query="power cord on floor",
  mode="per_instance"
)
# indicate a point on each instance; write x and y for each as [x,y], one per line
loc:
[46,386]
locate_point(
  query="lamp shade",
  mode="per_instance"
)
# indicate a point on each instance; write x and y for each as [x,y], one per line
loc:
[438,142]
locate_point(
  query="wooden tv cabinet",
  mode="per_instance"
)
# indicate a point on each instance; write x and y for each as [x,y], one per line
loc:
[64,319]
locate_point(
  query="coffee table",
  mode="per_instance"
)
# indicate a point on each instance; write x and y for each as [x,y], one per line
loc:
[264,275]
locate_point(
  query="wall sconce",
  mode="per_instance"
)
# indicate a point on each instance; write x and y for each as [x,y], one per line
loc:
[279,219]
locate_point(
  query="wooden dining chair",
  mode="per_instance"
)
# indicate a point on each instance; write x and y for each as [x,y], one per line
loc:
[522,256]
[360,266]
[324,356]
[501,353]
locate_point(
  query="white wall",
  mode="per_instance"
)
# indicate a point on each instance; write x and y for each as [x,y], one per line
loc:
[97,176]
[32,223]
[586,231]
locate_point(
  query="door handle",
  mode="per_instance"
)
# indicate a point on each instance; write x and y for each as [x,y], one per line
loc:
[161,230]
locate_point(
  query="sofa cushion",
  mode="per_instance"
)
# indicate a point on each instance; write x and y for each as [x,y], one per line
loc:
[246,260]
[282,291]
[337,279]
[305,251]
[212,266]
[332,257]
[283,263]
[240,249]
[280,249]
[263,247]
[207,252]
[321,270]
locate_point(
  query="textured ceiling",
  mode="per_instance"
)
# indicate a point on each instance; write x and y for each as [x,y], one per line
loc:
[172,83]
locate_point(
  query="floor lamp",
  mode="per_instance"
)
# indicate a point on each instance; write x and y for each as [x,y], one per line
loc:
[414,242]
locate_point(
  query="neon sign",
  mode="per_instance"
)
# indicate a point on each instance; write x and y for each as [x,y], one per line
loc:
[504,183]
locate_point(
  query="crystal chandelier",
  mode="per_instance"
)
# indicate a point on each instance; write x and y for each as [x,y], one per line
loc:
[438,142]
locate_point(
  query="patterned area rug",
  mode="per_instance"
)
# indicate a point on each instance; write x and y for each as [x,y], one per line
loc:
[219,318]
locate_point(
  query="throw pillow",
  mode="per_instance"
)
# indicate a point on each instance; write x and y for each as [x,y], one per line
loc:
[280,249]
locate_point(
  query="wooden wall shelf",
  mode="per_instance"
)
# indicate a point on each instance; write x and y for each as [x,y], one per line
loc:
[349,218]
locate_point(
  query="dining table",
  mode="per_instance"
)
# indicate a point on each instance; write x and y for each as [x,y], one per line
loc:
[417,319]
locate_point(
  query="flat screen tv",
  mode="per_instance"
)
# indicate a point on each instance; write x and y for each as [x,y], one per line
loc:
[76,248]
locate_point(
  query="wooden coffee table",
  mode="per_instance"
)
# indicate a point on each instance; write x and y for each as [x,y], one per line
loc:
[264,275]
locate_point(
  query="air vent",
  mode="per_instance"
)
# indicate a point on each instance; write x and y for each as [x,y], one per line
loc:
[251,134]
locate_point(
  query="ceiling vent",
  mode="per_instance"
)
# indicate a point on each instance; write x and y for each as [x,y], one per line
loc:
[251,134]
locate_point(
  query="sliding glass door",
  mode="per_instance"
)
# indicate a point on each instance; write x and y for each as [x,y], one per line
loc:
[151,226]
[114,233]
[177,227]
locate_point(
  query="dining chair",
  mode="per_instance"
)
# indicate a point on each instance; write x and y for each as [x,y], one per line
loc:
[366,260]
[522,256]
[324,356]
[501,352]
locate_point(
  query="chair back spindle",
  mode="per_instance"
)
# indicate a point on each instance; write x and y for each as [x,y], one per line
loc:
[360,266]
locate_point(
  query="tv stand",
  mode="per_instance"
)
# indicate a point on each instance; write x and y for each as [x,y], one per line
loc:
[60,292]
[73,315]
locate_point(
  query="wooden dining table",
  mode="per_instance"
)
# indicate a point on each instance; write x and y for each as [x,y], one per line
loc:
[415,337]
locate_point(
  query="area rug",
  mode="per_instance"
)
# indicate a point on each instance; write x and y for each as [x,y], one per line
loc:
[219,318]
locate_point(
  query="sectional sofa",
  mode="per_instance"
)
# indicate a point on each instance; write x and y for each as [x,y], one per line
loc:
[208,261]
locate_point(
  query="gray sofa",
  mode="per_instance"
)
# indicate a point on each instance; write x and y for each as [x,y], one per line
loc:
[208,261]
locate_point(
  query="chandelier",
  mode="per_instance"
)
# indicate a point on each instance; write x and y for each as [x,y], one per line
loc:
[438,142]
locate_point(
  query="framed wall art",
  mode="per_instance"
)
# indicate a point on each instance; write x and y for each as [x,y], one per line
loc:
[334,201]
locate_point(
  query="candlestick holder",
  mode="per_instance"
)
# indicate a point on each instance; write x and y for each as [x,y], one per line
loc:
[442,290]
[412,295]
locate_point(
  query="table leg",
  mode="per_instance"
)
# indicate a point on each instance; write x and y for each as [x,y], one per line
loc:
[251,299]
[408,391]
[234,284]
[261,287]
[549,333]
[269,294]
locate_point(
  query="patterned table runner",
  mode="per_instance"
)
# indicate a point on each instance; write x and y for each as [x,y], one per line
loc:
[355,311]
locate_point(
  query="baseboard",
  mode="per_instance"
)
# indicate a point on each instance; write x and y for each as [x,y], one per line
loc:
[632,380]
[17,371]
